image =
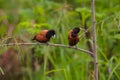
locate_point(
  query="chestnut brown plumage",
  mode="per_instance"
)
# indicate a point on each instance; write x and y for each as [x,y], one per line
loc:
[73,36]
[44,36]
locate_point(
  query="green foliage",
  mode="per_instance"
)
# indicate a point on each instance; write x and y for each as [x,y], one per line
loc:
[117,36]
[29,17]
[3,31]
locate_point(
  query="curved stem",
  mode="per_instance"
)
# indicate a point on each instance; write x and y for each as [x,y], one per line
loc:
[49,44]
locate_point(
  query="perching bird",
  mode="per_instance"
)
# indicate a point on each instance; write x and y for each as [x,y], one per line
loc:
[44,36]
[73,36]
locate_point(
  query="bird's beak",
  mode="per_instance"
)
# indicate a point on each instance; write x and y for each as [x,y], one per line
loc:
[54,36]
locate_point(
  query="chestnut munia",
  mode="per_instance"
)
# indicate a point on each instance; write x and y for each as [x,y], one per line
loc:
[73,37]
[44,36]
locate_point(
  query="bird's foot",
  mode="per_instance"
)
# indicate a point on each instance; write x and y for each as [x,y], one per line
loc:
[37,43]
[75,46]
[47,43]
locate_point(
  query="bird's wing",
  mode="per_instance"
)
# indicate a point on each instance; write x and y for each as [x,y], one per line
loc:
[43,33]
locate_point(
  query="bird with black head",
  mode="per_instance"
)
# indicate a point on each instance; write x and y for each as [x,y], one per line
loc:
[73,37]
[44,36]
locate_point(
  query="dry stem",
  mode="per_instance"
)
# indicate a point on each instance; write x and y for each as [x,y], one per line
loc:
[94,40]
[49,44]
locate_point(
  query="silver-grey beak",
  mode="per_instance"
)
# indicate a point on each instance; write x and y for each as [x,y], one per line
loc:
[54,36]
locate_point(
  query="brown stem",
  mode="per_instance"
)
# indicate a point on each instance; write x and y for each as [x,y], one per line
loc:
[49,44]
[88,36]
[94,40]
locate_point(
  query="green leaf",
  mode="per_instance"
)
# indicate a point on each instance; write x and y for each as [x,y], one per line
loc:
[3,30]
[117,36]
[2,18]
[84,10]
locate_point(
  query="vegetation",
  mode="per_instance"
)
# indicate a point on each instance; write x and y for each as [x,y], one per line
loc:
[20,20]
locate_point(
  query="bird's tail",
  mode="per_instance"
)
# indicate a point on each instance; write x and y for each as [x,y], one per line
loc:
[33,38]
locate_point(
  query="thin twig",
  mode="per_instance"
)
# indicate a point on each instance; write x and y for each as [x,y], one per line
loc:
[49,44]
[94,40]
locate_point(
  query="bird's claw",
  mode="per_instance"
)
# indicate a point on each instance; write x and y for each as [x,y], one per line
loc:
[47,43]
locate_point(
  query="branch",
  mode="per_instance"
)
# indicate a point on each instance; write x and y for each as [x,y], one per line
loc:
[94,40]
[49,44]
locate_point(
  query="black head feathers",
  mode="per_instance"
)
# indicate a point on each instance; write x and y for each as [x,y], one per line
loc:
[50,33]
[76,30]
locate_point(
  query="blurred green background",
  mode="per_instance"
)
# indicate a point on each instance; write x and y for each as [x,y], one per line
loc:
[20,20]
